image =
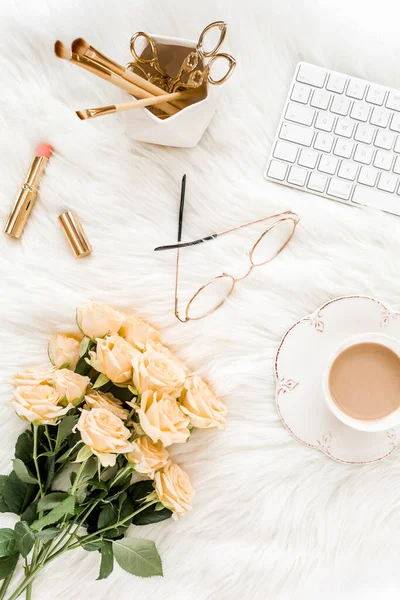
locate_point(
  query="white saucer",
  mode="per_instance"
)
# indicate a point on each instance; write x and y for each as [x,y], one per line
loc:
[299,364]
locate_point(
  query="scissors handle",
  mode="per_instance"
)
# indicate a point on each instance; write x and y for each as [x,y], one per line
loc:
[231,67]
[152,61]
[222,26]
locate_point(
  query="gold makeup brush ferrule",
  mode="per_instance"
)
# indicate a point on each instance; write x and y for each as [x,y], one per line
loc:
[25,198]
[91,65]
[91,113]
[103,60]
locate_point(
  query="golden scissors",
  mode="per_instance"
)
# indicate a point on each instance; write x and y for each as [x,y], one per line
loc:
[189,76]
[149,67]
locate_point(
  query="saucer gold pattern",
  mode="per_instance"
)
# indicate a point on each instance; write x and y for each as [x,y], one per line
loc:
[299,364]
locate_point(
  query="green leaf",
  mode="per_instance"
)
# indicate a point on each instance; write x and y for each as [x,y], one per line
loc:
[89,469]
[22,471]
[7,565]
[122,393]
[150,515]
[138,557]
[18,494]
[24,537]
[65,427]
[82,368]
[84,346]
[29,514]
[83,454]
[108,516]
[24,446]
[3,504]
[92,546]
[64,457]
[100,381]
[48,534]
[49,469]
[51,501]
[66,507]
[138,491]
[8,545]
[107,561]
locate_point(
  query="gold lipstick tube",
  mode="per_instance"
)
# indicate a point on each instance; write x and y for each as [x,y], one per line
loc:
[26,198]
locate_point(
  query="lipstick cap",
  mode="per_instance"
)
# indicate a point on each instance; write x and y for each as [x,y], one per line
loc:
[74,233]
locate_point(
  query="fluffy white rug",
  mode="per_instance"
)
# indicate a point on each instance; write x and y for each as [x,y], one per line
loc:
[272,519]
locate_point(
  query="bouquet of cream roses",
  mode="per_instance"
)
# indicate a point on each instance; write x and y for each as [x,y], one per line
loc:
[95,458]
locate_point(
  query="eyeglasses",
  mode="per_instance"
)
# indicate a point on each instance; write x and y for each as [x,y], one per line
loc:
[212,295]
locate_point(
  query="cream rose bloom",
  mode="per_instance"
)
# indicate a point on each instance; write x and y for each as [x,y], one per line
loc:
[101,400]
[174,489]
[34,377]
[158,370]
[97,320]
[105,434]
[64,349]
[201,405]
[147,456]
[137,332]
[38,404]
[70,385]
[161,418]
[113,357]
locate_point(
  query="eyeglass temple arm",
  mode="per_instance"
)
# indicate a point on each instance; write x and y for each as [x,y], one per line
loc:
[215,235]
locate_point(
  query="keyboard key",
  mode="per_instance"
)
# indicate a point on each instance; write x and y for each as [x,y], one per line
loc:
[324,142]
[356,89]
[336,83]
[299,114]
[393,100]
[312,75]
[360,111]
[296,133]
[395,123]
[297,176]
[344,127]
[320,99]
[367,176]
[376,95]
[324,121]
[396,167]
[285,151]
[340,105]
[364,133]
[364,154]
[317,182]
[328,164]
[380,117]
[384,139]
[397,145]
[277,170]
[339,189]
[375,199]
[348,170]
[387,182]
[383,160]
[344,148]
[308,158]
[300,93]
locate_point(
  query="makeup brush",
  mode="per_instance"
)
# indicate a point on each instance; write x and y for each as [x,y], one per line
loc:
[65,53]
[83,48]
[91,113]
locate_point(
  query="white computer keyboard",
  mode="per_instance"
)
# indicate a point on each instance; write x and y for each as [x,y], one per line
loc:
[339,137]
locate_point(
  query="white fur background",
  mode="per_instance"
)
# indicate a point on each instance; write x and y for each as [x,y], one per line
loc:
[272,519]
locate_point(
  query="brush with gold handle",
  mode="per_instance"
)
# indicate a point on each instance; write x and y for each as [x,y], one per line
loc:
[91,113]
[83,48]
[104,72]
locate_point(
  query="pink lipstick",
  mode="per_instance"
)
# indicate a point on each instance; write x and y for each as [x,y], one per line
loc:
[27,194]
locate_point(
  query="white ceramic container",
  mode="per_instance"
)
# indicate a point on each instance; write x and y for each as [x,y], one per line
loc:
[184,129]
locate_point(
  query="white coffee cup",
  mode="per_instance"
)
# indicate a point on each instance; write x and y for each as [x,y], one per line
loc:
[387,422]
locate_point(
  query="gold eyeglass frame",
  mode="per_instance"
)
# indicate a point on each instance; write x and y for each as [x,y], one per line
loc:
[277,219]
